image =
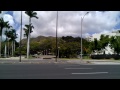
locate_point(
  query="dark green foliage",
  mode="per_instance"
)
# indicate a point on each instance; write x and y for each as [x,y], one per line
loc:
[31,14]
[26,29]
[104,41]
[68,46]
[115,43]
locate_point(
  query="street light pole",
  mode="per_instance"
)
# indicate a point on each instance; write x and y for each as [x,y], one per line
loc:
[20,37]
[82,18]
[56,36]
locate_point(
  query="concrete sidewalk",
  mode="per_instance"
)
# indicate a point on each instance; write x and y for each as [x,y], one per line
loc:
[71,61]
[35,61]
[95,61]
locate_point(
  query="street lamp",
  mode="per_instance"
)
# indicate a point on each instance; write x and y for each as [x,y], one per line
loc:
[20,37]
[82,18]
[56,36]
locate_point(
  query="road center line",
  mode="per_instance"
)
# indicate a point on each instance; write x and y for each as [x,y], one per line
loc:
[78,68]
[92,73]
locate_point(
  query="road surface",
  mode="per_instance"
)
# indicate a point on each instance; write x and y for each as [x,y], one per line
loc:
[58,71]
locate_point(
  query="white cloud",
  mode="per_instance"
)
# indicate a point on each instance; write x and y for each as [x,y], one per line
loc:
[9,18]
[70,22]
[2,13]
[6,17]
[18,33]
[17,17]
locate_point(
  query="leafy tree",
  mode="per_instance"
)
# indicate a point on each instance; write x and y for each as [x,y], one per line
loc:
[115,44]
[67,48]
[94,46]
[68,38]
[104,41]
[34,47]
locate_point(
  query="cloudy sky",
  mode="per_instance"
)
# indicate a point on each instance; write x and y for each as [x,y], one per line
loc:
[69,22]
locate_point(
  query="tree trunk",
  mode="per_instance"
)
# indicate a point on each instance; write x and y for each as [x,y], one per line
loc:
[12,48]
[5,50]
[28,42]
[28,47]
[8,47]
[0,45]
[1,42]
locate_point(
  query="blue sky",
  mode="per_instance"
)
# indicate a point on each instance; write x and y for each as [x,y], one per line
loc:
[17,25]
[10,12]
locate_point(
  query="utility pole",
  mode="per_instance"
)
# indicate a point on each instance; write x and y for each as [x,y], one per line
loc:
[20,37]
[56,36]
[82,18]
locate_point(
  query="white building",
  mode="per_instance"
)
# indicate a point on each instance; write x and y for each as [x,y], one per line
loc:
[107,50]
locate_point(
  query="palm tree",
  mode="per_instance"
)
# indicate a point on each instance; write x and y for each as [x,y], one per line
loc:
[8,36]
[31,14]
[26,29]
[2,25]
[6,49]
[13,36]
[7,26]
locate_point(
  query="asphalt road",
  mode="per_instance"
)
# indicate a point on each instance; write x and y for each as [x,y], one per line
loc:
[58,71]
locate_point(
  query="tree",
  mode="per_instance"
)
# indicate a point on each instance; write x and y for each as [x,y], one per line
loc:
[104,41]
[68,38]
[13,36]
[8,34]
[31,14]
[7,26]
[35,47]
[67,48]
[2,25]
[26,29]
[94,46]
[115,44]
[6,44]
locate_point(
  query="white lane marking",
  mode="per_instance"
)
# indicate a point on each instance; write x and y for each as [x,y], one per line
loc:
[92,73]
[72,65]
[78,68]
